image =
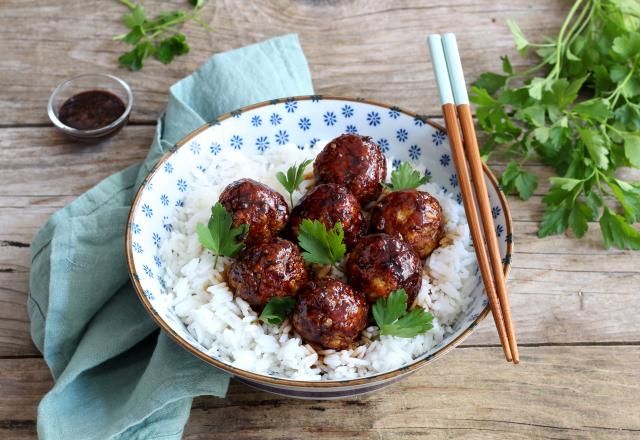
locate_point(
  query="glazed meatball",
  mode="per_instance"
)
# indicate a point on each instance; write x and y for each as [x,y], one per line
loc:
[354,161]
[269,269]
[380,264]
[414,216]
[330,313]
[252,203]
[330,204]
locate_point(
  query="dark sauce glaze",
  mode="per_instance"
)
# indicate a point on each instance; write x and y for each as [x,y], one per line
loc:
[91,110]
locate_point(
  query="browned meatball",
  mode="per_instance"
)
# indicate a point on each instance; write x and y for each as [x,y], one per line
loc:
[252,203]
[330,313]
[274,268]
[380,264]
[354,161]
[414,216]
[330,204]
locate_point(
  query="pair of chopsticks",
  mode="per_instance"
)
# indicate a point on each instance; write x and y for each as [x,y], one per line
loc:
[452,87]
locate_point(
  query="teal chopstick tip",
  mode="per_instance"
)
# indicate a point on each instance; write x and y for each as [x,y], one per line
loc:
[440,69]
[454,66]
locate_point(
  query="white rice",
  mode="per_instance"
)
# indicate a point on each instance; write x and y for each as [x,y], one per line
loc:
[230,331]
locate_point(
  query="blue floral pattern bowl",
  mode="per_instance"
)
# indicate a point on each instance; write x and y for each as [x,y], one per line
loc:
[299,121]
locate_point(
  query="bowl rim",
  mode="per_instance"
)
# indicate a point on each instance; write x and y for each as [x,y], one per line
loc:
[277,381]
[96,131]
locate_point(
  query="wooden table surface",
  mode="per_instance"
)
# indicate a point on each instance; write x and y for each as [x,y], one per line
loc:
[575,305]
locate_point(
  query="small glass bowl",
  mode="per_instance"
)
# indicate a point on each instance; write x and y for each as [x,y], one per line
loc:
[85,83]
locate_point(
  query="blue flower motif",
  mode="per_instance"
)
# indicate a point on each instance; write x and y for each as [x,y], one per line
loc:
[156,239]
[148,294]
[149,185]
[182,185]
[313,142]
[415,152]
[418,120]
[135,228]
[396,163]
[304,123]
[236,113]
[444,190]
[164,199]
[256,121]
[445,159]
[351,129]
[330,118]
[402,135]
[136,247]
[427,173]
[384,144]
[453,180]
[236,142]
[201,168]
[275,119]
[316,98]
[163,286]
[166,225]
[347,111]
[373,119]
[214,148]
[147,270]
[438,137]
[262,143]
[148,212]
[195,147]
[300,147]
[459,198]
[157,260]
[495,211]
[179,203]
[291,105]
[499,230]
[394,112]
[168,168]
[282,137]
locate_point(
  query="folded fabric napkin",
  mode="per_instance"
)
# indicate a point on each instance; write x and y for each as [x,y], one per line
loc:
[116,376]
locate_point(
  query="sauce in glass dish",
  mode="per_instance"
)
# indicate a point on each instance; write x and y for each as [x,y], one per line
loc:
[91,110]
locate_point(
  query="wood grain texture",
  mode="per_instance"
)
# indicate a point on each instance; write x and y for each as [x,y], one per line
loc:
[557,392]
[375,49]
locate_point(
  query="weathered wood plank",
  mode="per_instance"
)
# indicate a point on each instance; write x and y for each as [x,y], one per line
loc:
[557,392]
[372,49]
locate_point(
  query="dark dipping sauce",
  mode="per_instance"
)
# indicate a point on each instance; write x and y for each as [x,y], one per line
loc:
[91,110]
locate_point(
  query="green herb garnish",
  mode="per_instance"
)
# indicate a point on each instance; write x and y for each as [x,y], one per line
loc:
[218,236]
[294,177]
[579,111]
[321,246]
[393,319]
[277,309]
[158,37]
[405,177]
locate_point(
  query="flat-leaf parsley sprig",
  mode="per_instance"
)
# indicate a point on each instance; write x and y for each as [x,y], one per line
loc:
[321,246]
[218,236]
[158,37]
[405,177]
[579,111]
[393,319]
[294,177]
[277,309]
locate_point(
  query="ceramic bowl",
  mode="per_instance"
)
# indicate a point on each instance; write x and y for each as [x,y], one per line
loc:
[300,121]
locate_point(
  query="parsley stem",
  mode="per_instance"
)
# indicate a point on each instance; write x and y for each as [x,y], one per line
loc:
[215,262]
[555,72]
[128,4]
[291,198]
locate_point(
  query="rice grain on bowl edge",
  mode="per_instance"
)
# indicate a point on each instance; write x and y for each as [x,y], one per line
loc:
[229,329]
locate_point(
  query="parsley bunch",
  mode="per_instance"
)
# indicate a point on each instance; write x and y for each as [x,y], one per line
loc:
[219,235]
[156,37]
[405,177]
[579,111]
[393,319]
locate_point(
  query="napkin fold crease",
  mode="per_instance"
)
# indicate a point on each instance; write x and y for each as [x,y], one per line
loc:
[116,376]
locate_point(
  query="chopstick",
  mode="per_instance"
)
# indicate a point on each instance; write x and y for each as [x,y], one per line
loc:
[442,74]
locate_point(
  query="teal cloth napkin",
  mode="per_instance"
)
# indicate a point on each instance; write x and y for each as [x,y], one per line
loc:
[116,376]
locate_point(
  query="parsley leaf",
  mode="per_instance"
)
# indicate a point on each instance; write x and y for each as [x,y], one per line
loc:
[393,319]
[321,246]
[157,37]
[218,236]
[294,177]
[405,177]
[277,309]
[578,110]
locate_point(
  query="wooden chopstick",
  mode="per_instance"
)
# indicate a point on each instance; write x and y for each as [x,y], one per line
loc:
[457,150]
[456,77]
